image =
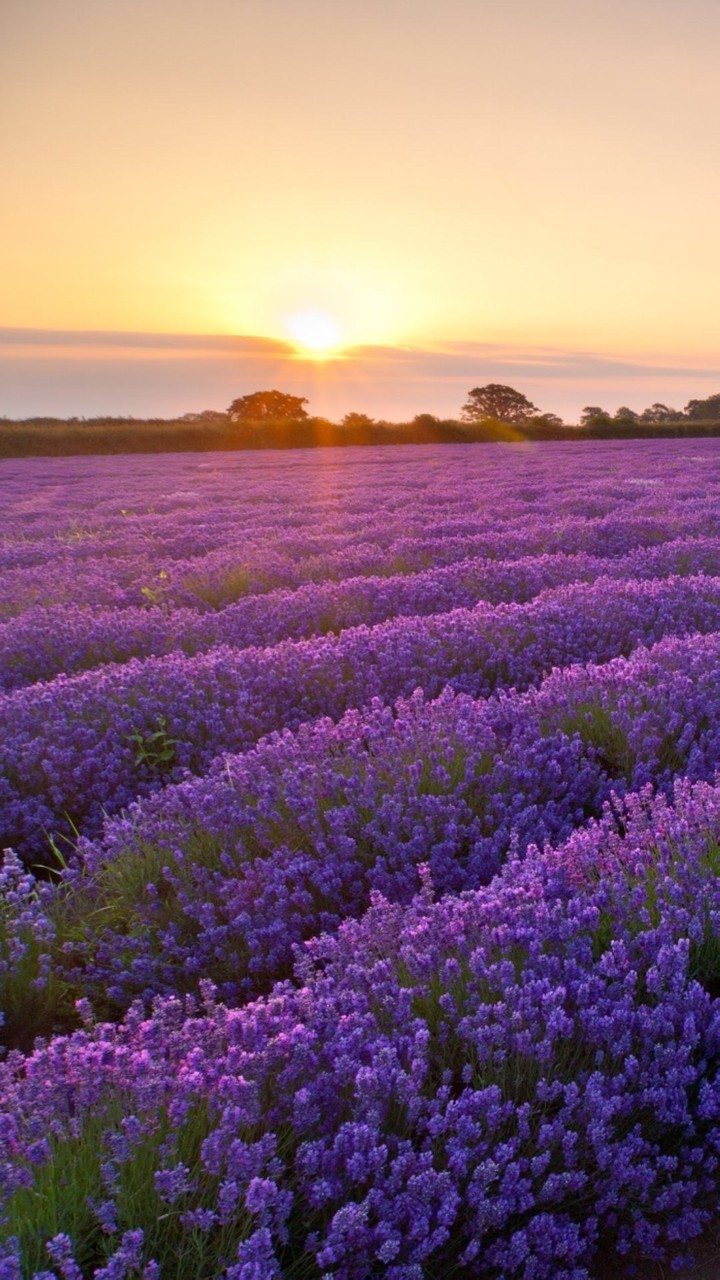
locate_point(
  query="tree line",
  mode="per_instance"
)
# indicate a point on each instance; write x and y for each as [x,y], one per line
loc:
[494,402]
[277,420]
[707,410]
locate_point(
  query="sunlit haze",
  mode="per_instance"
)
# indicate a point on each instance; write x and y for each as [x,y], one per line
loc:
[205,197]
[314,332]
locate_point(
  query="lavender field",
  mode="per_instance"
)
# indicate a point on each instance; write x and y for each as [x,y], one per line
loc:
[360,905]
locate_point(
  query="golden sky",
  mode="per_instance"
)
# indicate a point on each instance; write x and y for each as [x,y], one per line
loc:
[438,177]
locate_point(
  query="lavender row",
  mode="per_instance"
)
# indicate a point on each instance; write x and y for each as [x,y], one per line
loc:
[42,643]
[221,877]
[218,532]
[497,1083]
[242,567]
[80,747]
[190,505]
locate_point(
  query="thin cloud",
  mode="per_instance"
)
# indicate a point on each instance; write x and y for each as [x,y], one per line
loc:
[464,359]
[82,338]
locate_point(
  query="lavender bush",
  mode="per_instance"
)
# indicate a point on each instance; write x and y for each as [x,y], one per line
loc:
[362,881]
[138,725]
[492,1082]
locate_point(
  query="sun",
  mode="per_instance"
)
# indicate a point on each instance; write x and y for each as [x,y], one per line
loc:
[316,333]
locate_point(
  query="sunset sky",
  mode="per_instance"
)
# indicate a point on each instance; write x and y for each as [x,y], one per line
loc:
[446,192]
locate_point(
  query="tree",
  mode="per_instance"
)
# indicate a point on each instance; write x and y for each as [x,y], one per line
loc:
[659,413]
[624,414]
[548,420]
[499,402]
[357,421]
[593,413]
[205,415]
[704,410]
[268,406]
